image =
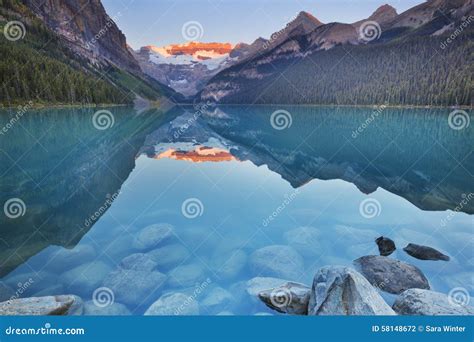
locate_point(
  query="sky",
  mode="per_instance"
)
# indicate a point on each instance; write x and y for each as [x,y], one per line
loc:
[164,22]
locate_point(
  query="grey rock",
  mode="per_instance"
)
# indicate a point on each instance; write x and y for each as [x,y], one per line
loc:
[229,265]
[217,300]
[391,275]
[424,252]
[169,256]
[277,261]
[33,306]
[151,236]
[6,292]
[428,303]
[291,298]
[85,278]
[305,240]
[258,284]
[186,275]
[386,245]
[174,304]
[133,287]
[340,290]
[138,262]
[114,309]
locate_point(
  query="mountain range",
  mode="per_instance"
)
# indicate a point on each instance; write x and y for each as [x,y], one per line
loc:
[72,52]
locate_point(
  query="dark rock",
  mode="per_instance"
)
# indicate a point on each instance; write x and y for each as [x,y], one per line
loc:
[391,275]
[386,245]
[424,252]
[34,306]
[291,298]
[429,303]
[340,290]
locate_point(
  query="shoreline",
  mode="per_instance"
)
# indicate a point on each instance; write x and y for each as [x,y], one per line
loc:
[102,105]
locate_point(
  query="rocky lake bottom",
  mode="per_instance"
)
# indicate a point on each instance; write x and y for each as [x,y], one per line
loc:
[202,224]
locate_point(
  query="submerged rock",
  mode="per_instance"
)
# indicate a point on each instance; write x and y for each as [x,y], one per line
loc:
[64,259]
[153,235]
[33,306]
[114,309]
[169,256]
[340,290]
[88,276]
[174,304]
[186,275]
[428,303]
[256,285]
[305,240]
[391,275]
[424,252]
[217,300]
[133,287]
[277,261]
[386,245]
[138,262]
[229,265]
[291,298]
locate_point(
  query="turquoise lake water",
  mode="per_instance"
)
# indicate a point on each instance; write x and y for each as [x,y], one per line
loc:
[226,183]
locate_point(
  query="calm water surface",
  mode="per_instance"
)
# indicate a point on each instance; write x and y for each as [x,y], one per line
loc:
[229,184]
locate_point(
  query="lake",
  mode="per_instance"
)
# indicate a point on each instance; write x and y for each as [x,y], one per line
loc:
[320,184]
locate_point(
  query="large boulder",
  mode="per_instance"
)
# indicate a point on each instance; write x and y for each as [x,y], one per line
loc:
[277,261]
[424,252]
[291,298]
[174,303]
[340,290]
[33,306]
[133,287]
[429,303]
[153,235]
[390,275]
